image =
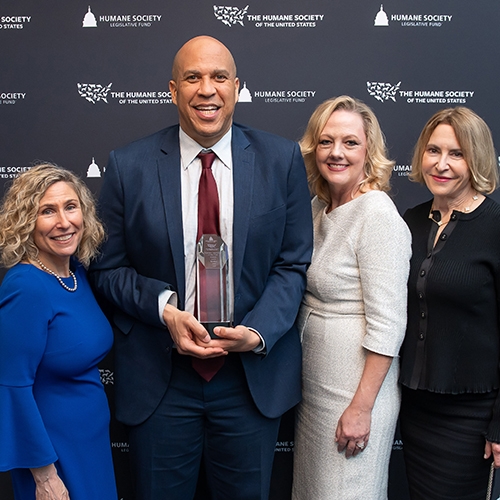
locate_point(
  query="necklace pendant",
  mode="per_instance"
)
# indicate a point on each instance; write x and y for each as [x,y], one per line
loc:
[439,222]
[474,198]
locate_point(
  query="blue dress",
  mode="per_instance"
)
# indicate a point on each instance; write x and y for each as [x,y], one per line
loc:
[53,408]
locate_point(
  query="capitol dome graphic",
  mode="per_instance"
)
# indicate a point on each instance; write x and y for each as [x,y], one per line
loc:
[93,170]
[245,95]
[381,18]
[89,21]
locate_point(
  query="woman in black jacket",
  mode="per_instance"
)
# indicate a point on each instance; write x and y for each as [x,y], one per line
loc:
[450,415]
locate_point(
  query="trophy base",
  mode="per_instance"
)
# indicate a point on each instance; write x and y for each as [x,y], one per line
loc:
[211,325]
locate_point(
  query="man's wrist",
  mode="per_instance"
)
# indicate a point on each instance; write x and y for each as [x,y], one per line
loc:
[261,348]
[165,298]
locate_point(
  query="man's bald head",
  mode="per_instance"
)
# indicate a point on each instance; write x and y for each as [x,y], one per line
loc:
[200,44]
[204,88]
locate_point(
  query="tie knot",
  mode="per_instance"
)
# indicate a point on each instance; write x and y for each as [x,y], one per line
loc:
[207,159]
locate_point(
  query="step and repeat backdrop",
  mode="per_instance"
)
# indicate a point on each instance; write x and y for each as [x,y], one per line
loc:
[78,79]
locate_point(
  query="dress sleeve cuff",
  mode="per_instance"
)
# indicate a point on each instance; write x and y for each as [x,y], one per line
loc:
[493,433]
[25,442]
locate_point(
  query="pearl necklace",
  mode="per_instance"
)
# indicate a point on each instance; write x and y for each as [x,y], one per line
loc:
[465,209]
[66,287]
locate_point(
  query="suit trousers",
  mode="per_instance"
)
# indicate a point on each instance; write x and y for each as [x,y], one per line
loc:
[216,422]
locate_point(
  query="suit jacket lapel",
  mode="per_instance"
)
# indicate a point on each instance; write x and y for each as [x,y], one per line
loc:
[243,173]
[169,173]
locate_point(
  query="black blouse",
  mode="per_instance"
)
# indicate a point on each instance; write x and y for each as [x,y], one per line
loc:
[452,342]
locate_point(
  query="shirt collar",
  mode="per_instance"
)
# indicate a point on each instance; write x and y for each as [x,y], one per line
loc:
[190,148]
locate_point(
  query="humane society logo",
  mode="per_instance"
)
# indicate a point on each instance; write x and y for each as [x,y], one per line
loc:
[411,20]
[120,20]
[11,97]
[245,94]
[95,92]
[12,171]
[232,16]
[14,22]
[275,96]
[93,170]
[383,92]
[107,377]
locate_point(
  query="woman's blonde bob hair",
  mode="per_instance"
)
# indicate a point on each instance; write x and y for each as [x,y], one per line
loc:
[19,213]
[475,141]
[378,168]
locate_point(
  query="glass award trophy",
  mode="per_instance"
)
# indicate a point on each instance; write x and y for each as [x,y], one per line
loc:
[212,283]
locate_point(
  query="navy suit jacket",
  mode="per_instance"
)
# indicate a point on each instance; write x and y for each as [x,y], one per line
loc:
[140,204]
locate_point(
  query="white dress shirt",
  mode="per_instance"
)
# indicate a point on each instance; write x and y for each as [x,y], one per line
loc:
[190,179]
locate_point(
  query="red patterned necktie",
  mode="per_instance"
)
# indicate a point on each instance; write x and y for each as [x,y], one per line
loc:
[208,223]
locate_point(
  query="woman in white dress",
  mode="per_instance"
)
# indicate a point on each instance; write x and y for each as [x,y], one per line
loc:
[353,314]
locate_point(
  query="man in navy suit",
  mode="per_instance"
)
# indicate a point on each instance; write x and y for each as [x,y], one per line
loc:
[149,203]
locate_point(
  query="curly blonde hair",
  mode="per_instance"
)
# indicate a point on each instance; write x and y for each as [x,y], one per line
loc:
[377,168]
[19,213]
[475,140]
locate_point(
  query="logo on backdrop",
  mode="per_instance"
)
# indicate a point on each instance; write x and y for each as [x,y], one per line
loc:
[94,92]
[402,170]
[383,91]
[107,377]
[11,97]
[411,20]
[14,22]
[275,96]
[12,171]
[284,446]
[122,446]
[90,20]
[381,18]
[397,445]
[93,170]
[245,94]
[230,16]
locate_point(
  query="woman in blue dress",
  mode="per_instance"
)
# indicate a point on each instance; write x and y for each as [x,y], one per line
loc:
[54,415]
